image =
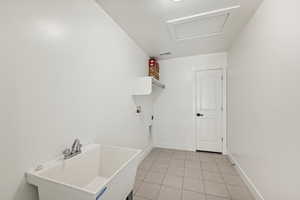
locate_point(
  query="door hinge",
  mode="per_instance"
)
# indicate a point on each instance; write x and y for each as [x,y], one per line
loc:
[222,108]
[222,139]
[222,78]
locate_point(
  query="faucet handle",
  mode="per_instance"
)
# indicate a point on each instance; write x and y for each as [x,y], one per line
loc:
[75,145]
[78,149]
[66,152]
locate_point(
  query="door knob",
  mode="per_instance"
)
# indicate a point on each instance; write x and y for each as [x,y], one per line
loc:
[200,115]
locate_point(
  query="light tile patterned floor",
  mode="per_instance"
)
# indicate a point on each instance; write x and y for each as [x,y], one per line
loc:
[167,174]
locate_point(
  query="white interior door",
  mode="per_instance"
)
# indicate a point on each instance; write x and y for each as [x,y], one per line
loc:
[208,110]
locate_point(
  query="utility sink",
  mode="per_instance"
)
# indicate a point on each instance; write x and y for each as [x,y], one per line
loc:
[98,173]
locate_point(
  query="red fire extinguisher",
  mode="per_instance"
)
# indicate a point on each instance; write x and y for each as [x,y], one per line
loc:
[152,62]
[153,68]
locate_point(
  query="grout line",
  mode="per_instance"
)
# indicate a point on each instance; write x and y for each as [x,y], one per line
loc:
[222,175]
[165,174]
[203,181]
[182,183]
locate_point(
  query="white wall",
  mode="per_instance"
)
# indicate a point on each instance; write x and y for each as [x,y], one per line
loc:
[174,125]
[65,72]
[264,100]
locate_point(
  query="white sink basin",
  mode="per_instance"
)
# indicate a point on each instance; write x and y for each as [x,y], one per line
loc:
[98,173]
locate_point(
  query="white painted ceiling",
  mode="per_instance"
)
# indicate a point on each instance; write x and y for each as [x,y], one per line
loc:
[146,22]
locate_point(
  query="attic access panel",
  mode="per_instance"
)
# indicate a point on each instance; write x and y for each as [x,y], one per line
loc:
[200,25]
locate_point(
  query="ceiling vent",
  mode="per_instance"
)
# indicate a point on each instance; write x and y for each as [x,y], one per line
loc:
[165,53]
[201,25]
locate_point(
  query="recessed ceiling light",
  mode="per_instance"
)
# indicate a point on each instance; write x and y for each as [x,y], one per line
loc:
[176,0]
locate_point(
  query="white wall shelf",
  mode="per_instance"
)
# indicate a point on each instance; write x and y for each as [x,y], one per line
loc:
[144,85]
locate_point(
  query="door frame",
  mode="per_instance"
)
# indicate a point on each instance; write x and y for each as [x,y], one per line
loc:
[224,113]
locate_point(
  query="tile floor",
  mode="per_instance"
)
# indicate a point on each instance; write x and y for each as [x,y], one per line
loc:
[167,174]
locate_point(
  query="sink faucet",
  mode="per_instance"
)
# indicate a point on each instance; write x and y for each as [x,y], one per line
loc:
[75,150]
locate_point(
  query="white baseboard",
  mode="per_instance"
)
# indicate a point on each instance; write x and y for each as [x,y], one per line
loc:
[253,189]
[173,147]
[145,152]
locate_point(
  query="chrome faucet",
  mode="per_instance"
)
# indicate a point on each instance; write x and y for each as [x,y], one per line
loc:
[75,150]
